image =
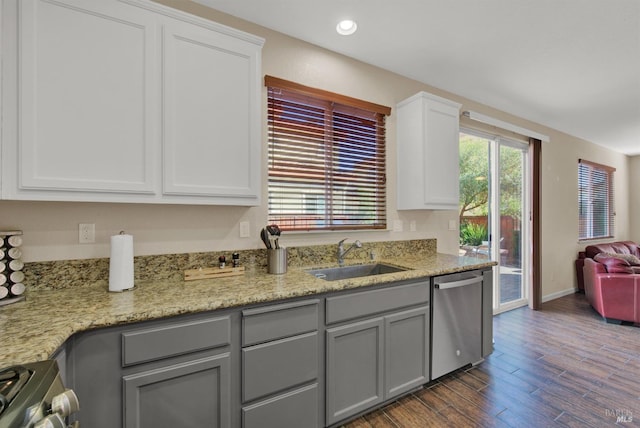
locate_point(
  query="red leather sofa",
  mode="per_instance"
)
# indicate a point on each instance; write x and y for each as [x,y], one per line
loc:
[611,278]
[620,247]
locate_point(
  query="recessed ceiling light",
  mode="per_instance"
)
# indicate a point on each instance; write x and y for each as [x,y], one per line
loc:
[346,27]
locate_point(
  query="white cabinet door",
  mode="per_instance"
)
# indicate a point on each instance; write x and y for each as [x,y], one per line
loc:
[87,98]
[211,98]
[428,164]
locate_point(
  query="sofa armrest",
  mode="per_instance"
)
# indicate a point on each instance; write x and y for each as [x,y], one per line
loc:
[618,279]
[592,272]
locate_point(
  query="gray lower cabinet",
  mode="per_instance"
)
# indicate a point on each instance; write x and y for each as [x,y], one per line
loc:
[172,372]
[372,360]
[280,366]
[191,394]
[94,373]
[355,367]
[406,351]
[299,364]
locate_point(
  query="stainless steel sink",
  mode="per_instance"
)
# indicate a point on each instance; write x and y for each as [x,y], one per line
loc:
[357,271]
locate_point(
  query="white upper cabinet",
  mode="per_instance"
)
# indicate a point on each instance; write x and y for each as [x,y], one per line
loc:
[86,97]
[127,101]
[211,116]
[428,164]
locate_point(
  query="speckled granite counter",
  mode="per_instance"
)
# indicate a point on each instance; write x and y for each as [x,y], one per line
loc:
[33,329]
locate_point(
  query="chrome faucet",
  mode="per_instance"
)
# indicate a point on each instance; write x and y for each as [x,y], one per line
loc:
[342,252]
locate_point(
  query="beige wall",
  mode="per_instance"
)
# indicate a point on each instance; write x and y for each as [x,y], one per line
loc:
[560,205]
[634,198]
[51,228]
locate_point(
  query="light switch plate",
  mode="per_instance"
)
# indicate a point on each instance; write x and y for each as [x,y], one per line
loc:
[412,226]
[397,225]
[452,225]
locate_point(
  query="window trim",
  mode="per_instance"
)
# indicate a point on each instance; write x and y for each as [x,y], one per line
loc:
[275,82]
[610,226]
[331,104]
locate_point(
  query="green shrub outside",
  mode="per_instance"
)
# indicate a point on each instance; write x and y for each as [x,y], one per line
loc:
[473,234]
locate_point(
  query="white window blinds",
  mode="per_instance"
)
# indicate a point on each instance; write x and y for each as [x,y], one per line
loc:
[595,200]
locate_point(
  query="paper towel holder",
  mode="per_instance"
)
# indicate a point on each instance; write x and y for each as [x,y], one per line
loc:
[124,290]
[119,288]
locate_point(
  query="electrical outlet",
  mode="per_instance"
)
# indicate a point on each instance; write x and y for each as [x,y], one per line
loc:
[397,225]
[412,226]
[452,225]
[86,233]
[245,228]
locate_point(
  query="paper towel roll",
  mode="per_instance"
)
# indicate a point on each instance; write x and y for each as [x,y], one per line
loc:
[121,263]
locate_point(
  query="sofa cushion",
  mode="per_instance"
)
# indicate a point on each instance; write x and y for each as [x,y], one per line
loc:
[633,247]
[610,247]
[630,258]
[613,264]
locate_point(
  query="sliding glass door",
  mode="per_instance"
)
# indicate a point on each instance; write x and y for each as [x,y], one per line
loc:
[494,203]
[512,204]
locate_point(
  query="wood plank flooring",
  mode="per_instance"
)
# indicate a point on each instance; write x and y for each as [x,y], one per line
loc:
[560,366]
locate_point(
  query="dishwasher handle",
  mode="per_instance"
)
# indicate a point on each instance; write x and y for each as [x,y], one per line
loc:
[454,284]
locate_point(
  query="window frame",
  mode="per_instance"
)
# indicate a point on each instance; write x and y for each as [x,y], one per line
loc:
[367,204]
[598,183]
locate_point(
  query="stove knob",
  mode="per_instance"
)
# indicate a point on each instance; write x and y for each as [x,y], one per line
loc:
[65,403]
[51,421]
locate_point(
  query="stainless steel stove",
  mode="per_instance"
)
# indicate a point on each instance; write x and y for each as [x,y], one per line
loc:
[33,396]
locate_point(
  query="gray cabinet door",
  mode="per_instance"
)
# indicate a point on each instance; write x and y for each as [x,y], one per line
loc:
[194,394]
[354,368]
[406,350]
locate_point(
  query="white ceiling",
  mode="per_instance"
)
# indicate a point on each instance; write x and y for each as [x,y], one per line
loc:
[572,65]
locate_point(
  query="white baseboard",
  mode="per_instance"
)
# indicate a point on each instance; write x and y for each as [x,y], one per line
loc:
[559,294]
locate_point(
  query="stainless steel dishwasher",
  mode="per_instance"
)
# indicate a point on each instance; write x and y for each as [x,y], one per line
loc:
[456,335]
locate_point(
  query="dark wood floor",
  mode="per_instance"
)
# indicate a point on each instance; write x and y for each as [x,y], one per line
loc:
[560,366]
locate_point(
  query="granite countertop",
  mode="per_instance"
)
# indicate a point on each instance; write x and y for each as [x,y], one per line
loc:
[34,329]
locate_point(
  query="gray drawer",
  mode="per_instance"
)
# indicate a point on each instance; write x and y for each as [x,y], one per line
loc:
[364,303]
[278,321]
[296,409]
[275,366]
[163,341]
